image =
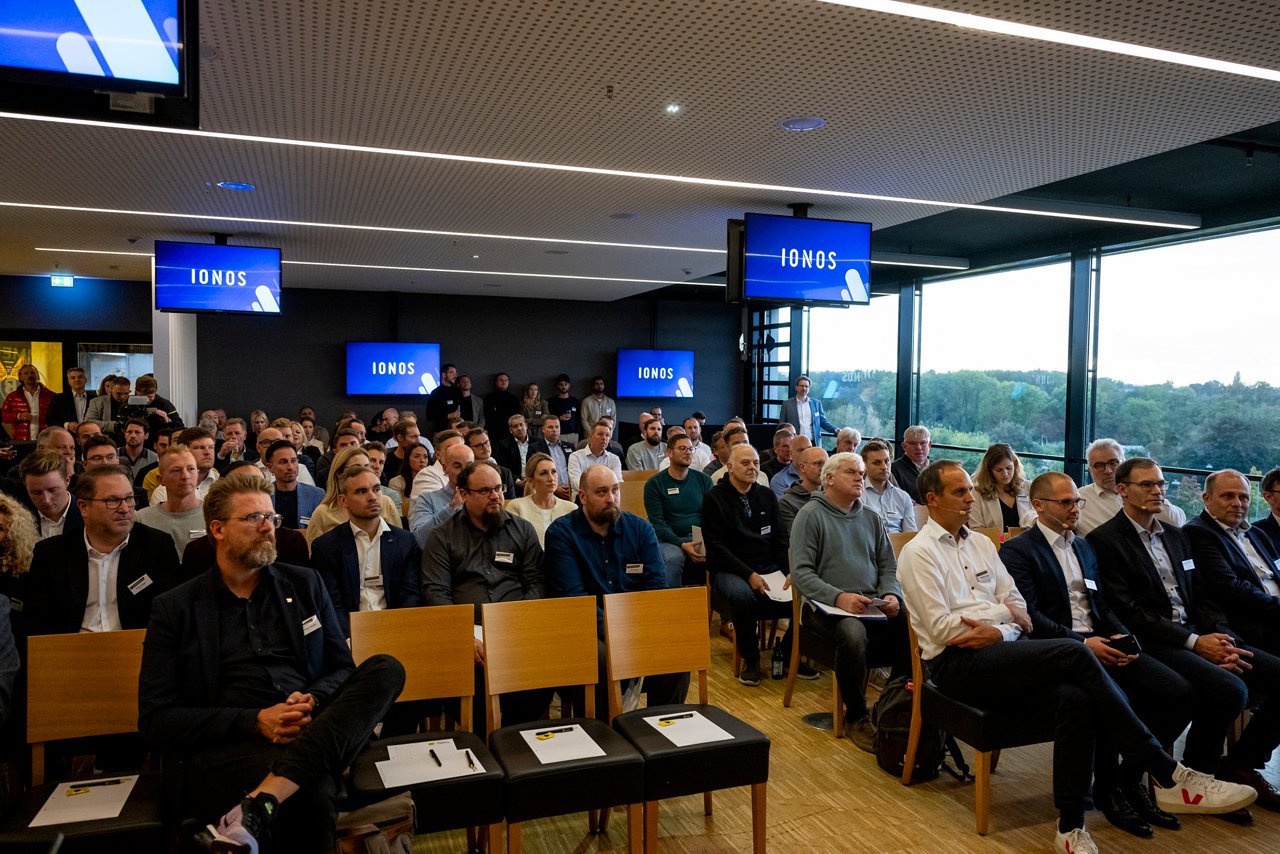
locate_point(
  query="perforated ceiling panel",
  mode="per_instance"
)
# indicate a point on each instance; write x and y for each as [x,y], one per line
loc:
[913,108]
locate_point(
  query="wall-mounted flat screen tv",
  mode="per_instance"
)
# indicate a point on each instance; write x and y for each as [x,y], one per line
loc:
[203,277]
[655,373]
[802,260]
[392,368]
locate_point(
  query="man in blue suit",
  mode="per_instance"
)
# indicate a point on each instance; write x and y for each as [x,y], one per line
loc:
[1057,573]
[1239,565]
[366,564]
[806,414]
[1270,524]
[293,500]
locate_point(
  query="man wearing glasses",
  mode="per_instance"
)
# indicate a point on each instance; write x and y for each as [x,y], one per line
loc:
[1149,574]
[105,577]
[1102,502]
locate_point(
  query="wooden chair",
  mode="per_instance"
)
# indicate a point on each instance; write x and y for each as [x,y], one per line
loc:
[993,534]
[817,648]
[437,648]
[899,539]
[662,631]
[551,643]
[637,476]
[632,497]
[987,732]
[1013,532]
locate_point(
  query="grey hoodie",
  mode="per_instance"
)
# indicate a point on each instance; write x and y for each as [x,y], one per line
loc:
[834,552]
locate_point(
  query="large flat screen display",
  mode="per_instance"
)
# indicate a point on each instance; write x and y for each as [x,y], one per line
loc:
[795,259]
[390,368]
[198,277]
[655,373]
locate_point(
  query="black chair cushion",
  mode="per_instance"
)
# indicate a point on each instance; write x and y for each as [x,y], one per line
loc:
[982,729]
[535,790]
[671,771]
[441,804]
[139,827]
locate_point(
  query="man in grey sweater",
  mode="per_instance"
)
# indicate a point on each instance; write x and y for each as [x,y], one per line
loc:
[841,558]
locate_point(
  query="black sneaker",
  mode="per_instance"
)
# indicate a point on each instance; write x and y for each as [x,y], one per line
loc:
[241,830]
[750,675]
[804,671]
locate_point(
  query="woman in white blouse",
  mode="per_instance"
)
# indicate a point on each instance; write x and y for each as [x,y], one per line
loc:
[540,506]
[1000,487]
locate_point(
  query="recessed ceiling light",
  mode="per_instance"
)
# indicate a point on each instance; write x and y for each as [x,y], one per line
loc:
[236,185]
[475,256]
[673,109]
[802,123]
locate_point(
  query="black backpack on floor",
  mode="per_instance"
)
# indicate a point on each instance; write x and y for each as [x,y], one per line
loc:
[892,718]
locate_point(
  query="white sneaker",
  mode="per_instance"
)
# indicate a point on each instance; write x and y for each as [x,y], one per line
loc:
[1196,792]
[1077,841]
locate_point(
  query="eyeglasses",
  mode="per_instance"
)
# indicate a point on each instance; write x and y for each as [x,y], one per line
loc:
[485,490]
[1064,503]
[114,502]
[1160,485]
[1108,465]
[256,519]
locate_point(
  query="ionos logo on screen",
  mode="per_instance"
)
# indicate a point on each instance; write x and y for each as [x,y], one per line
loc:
[129,39]
[655,373]
[819,260]
[204,277]
[390,367]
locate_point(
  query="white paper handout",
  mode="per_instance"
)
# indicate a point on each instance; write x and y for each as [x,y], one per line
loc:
[424,761]
[561,743]
[777,581]
[699,546]
[85,800]
[872,612]
[685,728]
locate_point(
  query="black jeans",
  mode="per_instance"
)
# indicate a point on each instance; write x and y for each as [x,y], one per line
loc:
[746,609]
[857,642]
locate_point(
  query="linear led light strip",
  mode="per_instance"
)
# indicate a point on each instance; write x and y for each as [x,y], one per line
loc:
[588,170]
[1027,31]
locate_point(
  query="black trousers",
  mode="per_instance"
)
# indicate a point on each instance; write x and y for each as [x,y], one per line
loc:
[1064,680]
[215,776]
[861,644]
[746,609]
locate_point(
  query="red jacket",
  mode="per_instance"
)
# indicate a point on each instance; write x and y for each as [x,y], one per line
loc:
[15,404]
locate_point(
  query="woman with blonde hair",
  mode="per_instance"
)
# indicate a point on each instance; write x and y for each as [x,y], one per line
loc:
[533,406]
[330,514]
[1001,491]
[17,542]
[539,505]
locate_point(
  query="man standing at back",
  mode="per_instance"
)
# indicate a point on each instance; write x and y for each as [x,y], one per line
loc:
[25,410]
[598,405]
[71,406]
[444,399]
[565,407]
[806,413]
[499,407]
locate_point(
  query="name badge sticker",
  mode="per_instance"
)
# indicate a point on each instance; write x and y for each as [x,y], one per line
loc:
[140,584]
[304,521]
[310,624]
[196,534]
[673,490]
[1091,584]
[1188,564]
[504,557]
[982,575]
[766,530]
[635,568]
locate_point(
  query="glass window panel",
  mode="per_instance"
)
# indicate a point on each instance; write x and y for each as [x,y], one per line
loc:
[853,365]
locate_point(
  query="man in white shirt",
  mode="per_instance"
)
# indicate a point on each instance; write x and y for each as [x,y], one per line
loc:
[513,450]
[433,477]
[200,443]
[596,453]
[46,475]
[970,619]
[806,413]
[427,510]
[1102,502]
[891,504]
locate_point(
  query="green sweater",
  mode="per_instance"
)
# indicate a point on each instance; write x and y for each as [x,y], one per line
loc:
[675,506]
[834,552]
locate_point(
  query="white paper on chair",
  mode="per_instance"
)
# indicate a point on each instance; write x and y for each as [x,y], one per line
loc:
[686,728]
[872,612]
[85,800]
[424,761]
[777,582]
[561,743]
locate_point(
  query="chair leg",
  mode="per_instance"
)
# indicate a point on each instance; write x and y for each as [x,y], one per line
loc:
[791,681]
[602,826]
[635,829]
[995,760]
[650,827]
[759,826]
[706,803]
[471,839]
[837,708]
[913,746]
[494,832]
[982,789]
[513,838]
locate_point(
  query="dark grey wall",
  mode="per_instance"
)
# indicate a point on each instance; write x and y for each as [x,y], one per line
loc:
[281,363]
[30,303]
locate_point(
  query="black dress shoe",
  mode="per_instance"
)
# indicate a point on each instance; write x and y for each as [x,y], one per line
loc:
[1119,812]
[1240,817]
[1139,797]
[1268,797]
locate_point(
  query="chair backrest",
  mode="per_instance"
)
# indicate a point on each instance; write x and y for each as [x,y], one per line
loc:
[436,645]
[1013,532]
[922,515]
[640,476]
[540,643]
[650,632]
[632,497]
[992,534]
[898,539]
[80,685]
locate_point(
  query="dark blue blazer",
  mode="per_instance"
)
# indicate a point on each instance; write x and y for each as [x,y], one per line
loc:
[309,498]
[178,686]
[1229,578]
[818,418]
[334,556]
[1035,569]
[1133,586]
[1269,526]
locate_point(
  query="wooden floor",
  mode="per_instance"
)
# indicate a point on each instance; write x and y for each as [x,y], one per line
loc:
[826,795]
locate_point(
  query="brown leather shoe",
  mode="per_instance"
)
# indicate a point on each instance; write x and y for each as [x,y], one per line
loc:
[1268,797]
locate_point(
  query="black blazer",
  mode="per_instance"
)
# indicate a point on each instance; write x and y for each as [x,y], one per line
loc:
[1229,578]
[1134,589]
[904,475]
[506,453]
[333,555]
[1269,526]
[178,685]
[63,408]
[58,583]
[73,525]
[1035,569]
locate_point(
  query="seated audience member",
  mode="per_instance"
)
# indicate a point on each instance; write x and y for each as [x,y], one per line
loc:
[100,450]
[57,439]
[1238,565]
[512,450]
[647,454]
[1152,579]
[428,510]
[291,545]
[808,461]
[70,407]
[1057,574]
[1102,500]
[743,534]
[258,421]
[806,413]
[239,700]
[179,515]
[540,506]
[595,454]
[293,500]
[329,514]
[551,444]
[968,617]
[25,410]
[316,437]
[733,437]
[719,454]
[847,441]
[84,431]
[382,425]
[613,447]
[366,564]
[343,438]
[482,446]
[378,462]
[134,454]
[405,433]
[307,455]
[147,475]
[915,456]
[891,504]
[781,457]
[200,443]
[1270,523]
[673,503]
[841,557]
[104,410]
[417,457]
[701,454]
[485,554]
[46,477]
[599,549]
[790,473]
[234,446]
[433,476]
[1001,488]
[105,577]
[17,542]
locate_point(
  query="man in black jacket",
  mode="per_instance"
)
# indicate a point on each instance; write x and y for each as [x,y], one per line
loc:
[70,407]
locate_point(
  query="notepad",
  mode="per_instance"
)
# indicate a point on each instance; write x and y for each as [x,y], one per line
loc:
[561,743]
[686,728]
[872,612]
[778,590]
[407,764]
[85,800]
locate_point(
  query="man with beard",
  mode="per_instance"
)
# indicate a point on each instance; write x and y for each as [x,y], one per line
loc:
[134,455]
[598,405]
[647,454]
[247,684]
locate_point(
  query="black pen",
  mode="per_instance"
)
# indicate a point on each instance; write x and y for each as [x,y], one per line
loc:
[471,762]
[553,731]
[432,751]
[675,717]
[115,782]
